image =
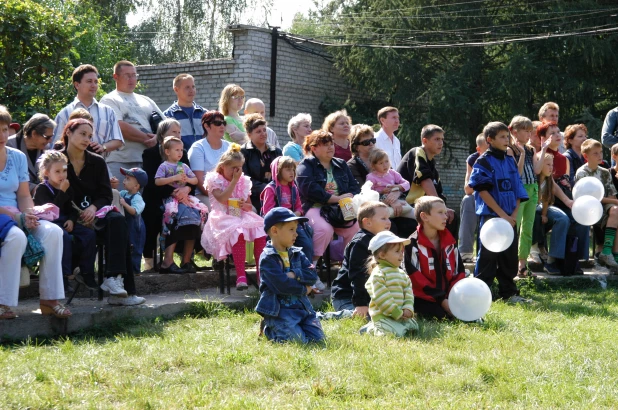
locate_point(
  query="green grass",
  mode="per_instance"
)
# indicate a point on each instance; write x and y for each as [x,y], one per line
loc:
[560,353]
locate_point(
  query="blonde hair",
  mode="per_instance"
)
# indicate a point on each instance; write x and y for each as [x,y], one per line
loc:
[295,122]
[545,107]
[180,78]
[615,149]
[376,155]
[168,143]
[81,113]
[331,119]
[227,93]
[425,204]
[519,122]
[589,145]
[368,210]
[47,159]
[232,154]
[546,194]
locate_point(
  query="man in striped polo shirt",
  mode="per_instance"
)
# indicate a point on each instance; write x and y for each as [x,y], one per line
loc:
[186,111]
[106,136]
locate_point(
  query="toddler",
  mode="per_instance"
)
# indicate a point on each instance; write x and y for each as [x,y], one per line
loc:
[386,180]
[133,204]
[225,232]
[392,301]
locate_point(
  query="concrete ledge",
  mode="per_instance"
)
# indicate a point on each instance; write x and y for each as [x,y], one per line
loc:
[88,313]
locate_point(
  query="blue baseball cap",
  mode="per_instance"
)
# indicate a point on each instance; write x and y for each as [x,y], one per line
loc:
[280,214]
[137,173]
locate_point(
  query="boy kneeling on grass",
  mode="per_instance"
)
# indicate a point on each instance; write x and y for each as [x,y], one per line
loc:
[432,259]
[287,278]
[497,193]
[593,153]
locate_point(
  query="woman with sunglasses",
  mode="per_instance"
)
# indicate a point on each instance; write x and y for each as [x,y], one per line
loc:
[153,198]
[231,102]
[205,153]
[32,140]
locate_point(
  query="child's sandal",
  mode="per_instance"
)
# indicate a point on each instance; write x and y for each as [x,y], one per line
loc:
[525,273]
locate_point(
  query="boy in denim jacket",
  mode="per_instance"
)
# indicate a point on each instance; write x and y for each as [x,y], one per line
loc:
[286,279]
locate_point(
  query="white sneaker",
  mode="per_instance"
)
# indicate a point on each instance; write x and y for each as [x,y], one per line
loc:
[468,258]
[128,301]
[114,287]
[319,285]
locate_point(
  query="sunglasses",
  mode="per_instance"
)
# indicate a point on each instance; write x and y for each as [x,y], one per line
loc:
[368,142]
[47,137]
[218,123]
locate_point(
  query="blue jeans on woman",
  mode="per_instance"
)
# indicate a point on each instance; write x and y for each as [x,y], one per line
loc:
[79,244]
[561,223]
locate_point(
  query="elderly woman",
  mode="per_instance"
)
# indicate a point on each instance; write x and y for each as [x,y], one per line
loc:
[324,180]
[258,157]
[205,153]
[299,127]
[362,143]
[15,193]
[32,141]
[153,214]
[92,193]
[338,124]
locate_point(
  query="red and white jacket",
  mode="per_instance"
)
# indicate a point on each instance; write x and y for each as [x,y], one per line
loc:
[433,272]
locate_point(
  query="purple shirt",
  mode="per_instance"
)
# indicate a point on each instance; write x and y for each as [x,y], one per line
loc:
[169,169]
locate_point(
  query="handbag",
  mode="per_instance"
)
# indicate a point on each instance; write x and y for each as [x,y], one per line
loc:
[34,250]
[154,119]
[334,216]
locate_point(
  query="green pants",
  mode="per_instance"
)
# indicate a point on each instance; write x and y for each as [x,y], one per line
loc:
[525,220]
[386,326]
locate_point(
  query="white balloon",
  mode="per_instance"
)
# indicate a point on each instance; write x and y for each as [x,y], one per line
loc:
[589,186]
[469,299]
[497,235]
[587,210]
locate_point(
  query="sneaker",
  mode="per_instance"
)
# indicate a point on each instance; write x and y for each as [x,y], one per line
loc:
[608,261]
[319,285]
[114,287]
[516,299]
[241,285]
[468,258]
[534,258]
[132,300]
[552,269]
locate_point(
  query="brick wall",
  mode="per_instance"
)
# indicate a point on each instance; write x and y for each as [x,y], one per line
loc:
[303,81]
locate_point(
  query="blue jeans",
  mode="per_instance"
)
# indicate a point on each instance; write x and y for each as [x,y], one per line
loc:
[137,238]
[561,223]
[293,325]
[304,240]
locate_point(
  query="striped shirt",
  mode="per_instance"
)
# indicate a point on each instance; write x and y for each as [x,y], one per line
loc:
[105,124]
[390,290]
[528,176]
[190,127]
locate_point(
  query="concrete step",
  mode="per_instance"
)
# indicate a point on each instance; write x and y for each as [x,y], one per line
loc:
[88,313]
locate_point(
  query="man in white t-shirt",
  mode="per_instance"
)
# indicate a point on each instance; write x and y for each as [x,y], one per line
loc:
[385,138]
[133,112]
[550,112]
[256,106]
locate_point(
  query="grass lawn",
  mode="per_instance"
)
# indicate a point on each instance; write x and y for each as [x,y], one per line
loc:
[560,353]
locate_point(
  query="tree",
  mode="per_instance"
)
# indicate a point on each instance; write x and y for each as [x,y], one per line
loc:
[462,87]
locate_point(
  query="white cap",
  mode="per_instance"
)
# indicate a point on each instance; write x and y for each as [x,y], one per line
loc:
[383,238]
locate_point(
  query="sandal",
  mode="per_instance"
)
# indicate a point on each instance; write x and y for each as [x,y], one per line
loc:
[6,313]
[59,311]
[525,273]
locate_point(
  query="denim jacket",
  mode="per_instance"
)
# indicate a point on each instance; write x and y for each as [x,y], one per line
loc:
[275,282]
[311,180]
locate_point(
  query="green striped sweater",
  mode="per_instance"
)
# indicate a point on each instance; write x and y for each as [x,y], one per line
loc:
[391,292]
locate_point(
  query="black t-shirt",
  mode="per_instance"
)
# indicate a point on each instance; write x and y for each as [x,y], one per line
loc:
[415,168]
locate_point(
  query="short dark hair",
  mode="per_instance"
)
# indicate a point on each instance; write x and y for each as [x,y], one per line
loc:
[122,63]
[493,128]
[383,113]
[252,121]
[429,130]
[82,70]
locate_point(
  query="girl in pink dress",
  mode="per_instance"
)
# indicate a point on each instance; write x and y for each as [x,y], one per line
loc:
[224,233]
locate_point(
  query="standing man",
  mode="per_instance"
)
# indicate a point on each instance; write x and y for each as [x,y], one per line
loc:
[610,126]
[385,138]
[106,136]
[133,112]
[256,106]
[186,111]
[418,166]
[550,112]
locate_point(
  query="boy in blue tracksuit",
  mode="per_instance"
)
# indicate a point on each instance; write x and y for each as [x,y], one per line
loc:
[497,193]
[286,279]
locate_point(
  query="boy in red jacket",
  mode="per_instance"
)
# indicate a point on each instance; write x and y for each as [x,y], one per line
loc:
[432,259]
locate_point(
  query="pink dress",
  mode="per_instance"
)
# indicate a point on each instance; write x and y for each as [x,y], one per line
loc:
[222,230]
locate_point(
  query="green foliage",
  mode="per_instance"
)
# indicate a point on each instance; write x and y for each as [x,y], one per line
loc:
[463,88]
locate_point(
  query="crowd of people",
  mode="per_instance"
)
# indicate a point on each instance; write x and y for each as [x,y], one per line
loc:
[218,182]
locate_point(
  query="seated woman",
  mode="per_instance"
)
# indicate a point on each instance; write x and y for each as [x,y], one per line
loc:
[89,179]
[204,154]
[258,157]
[153,198]
[299,127]
[324,180]
[32,141]
[362,144]
[338,125]
[15,192]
